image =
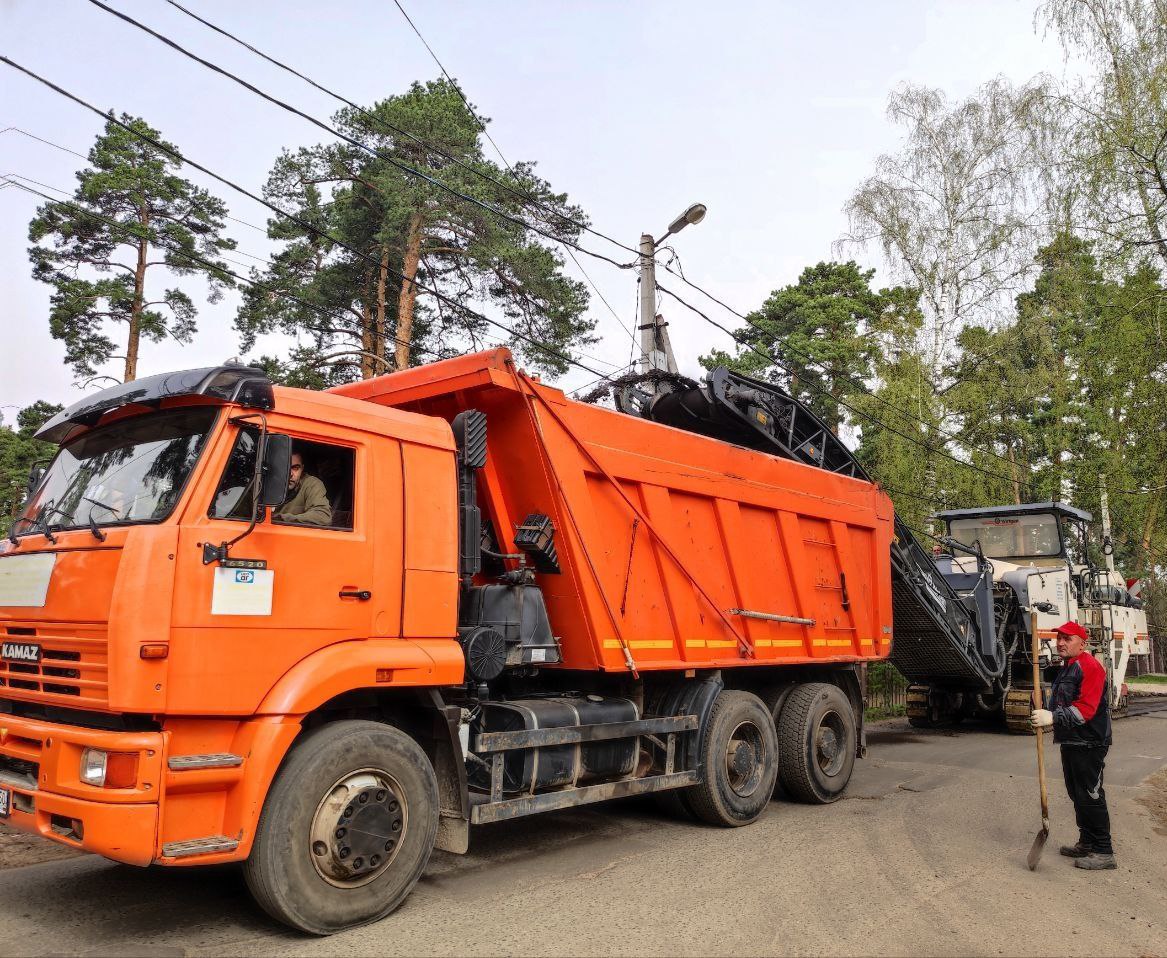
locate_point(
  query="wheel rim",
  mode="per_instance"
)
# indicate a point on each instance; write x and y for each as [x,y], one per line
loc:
[746,757]
[358,828]
[830,743]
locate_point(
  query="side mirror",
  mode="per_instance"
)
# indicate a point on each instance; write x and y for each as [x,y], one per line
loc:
[35,475]
[277,466]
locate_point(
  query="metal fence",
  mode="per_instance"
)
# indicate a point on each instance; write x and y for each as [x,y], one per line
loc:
[1153,664]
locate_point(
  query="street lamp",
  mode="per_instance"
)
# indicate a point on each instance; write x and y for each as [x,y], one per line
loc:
[656,352]
[691,217]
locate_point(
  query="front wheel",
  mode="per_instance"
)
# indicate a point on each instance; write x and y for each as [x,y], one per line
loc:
[816,735]
[347,828]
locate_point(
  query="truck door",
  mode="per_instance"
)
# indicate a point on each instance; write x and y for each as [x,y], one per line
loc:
[300,581]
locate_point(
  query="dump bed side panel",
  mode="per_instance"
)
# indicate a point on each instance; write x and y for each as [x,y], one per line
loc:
[665,536]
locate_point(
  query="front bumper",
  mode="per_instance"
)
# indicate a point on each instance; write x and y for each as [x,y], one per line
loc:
[40,765]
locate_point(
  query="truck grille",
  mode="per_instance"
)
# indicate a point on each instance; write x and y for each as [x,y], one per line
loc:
[73,670]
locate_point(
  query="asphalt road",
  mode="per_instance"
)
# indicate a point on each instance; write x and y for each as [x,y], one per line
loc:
[925,855]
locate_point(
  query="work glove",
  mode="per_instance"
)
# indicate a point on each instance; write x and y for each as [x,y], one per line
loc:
[1041,718]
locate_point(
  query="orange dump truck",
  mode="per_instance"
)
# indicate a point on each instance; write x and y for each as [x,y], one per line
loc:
[321,633]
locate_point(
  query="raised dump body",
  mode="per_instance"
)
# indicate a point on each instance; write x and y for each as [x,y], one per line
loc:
[944,627]
[677,551]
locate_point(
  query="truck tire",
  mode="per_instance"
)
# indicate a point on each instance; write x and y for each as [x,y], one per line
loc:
[816,741]
[739,755]
[347,828]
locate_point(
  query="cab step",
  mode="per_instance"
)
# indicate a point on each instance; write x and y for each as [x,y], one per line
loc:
[199,846]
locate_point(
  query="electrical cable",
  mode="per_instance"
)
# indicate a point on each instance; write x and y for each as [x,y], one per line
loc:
[814,386]
[202,261]
[303,224]
[528,198]
[353,141]
[497,149]
[786,346]
[65,149]
[261,259]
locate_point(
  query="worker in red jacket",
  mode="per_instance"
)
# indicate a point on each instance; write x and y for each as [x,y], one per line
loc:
[1079,711]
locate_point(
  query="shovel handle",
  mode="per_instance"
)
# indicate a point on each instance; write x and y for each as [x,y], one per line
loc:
[1039,733]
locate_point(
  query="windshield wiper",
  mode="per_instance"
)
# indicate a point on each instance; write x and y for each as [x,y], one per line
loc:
[93,527]
[110,509]
[12,536]
[42,519]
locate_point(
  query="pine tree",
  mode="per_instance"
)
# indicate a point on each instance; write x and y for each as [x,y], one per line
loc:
[349,298]
[130,216]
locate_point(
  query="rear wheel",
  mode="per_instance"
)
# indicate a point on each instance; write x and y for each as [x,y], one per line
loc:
[816,738]
[346,830]
[919,713]
[739,755]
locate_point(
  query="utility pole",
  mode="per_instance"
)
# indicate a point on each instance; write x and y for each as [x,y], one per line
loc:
[651,333]
[656,352]
[1107,541]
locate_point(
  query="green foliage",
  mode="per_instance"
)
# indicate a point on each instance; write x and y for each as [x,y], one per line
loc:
[831,330]
[130,214]
[1113,160]
[19,452]
[357,314]
[1074,388]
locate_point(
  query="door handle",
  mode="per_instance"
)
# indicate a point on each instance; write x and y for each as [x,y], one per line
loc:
[363,594]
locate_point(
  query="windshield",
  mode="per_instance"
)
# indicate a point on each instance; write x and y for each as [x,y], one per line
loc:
[129,471]
[1008,537]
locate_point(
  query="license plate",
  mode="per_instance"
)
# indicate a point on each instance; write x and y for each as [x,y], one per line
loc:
[5,801]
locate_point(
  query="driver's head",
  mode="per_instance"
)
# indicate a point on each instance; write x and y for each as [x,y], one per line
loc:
[296,473]
[1071,639]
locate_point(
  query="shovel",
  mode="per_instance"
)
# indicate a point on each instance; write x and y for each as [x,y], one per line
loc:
[1041,837]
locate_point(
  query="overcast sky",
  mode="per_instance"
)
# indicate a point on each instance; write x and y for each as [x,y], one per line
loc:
[770,113]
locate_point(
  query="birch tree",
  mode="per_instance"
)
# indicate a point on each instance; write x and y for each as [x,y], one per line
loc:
[1119,147]
[955,212]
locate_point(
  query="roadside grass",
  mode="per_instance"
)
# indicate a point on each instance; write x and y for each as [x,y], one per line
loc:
[874,713]
[1153,679]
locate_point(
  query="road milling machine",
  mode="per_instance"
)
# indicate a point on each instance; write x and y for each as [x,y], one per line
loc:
[1038,556]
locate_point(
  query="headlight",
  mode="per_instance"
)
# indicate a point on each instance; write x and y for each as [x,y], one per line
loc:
[109,769]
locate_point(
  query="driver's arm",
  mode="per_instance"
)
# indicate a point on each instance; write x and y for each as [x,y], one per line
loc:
[317,510]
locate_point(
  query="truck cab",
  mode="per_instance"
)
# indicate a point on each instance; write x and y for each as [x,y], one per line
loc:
[165,630]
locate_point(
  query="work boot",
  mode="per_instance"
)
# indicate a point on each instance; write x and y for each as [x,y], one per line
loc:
[1096,861]
[1077,850]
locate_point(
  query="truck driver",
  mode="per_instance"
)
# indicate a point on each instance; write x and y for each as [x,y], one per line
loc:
[307,503]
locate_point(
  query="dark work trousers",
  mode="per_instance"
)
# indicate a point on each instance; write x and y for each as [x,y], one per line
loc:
[1082,767]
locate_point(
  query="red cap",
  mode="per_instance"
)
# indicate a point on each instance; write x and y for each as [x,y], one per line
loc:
[1073,628]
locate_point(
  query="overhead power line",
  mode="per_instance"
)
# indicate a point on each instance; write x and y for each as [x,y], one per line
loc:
[302,223]
[227,259]
[426,177]
[519,193]
[266,260]
[65,149]
[353,141]
[846,378]
[846,405]
[210,264]
[526,197]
